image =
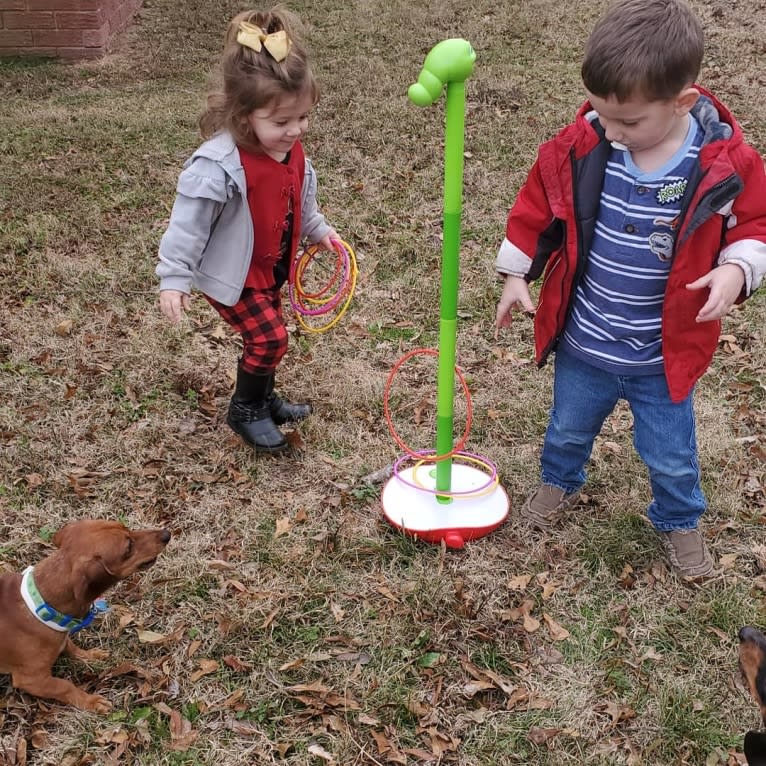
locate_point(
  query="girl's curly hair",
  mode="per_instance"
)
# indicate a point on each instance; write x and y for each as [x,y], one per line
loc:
[251,80]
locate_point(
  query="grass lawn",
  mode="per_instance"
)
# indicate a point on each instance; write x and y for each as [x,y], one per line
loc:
[287,622]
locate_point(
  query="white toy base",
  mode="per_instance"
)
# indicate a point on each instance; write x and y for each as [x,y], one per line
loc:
[418,512]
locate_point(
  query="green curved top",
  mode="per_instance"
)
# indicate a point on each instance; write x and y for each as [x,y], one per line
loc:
[448,61]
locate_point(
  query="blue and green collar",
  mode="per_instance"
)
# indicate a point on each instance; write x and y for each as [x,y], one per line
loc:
[52,617]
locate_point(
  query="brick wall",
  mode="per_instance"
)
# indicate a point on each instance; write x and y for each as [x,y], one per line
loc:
[74,29]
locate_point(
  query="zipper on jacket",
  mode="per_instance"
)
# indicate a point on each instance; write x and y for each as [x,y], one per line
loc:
[565,311]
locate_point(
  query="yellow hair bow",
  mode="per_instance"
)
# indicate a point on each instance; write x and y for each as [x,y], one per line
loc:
[278,44]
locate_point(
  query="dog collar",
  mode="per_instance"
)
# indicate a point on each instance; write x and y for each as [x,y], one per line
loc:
[52,617]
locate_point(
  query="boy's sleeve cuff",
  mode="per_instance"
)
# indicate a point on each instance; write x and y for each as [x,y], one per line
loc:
[511,261]
[750,256]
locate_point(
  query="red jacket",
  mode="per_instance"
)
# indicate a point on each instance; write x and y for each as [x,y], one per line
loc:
[551,224]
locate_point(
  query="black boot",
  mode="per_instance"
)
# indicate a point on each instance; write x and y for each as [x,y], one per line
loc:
[286,412]
[249,414]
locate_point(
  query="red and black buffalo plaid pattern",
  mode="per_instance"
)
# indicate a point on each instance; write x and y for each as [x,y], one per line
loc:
[257,317]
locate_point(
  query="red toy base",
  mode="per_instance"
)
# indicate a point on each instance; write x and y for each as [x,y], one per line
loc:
[417,512]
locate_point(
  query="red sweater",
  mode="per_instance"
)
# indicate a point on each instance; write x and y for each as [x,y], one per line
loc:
[274,197]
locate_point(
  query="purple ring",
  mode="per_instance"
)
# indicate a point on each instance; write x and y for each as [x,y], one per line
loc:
[425,453]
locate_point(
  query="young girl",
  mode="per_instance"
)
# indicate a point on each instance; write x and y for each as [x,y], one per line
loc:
[245,199]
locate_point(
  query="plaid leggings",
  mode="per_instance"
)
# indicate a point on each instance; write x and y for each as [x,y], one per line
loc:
[257,317]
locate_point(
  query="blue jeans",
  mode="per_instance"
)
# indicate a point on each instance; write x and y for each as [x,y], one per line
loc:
[663,435]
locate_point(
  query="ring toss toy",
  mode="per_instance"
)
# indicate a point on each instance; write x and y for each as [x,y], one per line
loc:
[446,495]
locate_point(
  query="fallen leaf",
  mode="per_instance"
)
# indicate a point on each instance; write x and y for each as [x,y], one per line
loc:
[516,698]
[650,654]
[295,441]
[557,632]
[548,590]
[39,739]
[538,702]
[430,660]
[320,752]
[627,577]
[283,526]
[237,665]
[181,733]
[520,582]
[368,720]
[540,736]
[269,618]
[616,712]
[442,743]
[34,480]
[150,637]
[206,667]
[531,624]
[21,752]
[381,742]
[64,327]
[472,688]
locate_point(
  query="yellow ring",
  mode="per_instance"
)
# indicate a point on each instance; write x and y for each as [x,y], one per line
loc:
[343,307]
[463,495]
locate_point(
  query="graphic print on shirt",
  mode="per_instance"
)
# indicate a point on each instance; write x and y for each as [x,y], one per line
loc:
[673,191]
[661,242]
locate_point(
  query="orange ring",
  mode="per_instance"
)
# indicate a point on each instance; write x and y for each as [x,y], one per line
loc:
[302,263]
[458,447]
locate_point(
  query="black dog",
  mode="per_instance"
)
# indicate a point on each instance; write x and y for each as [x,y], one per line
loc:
[752,663]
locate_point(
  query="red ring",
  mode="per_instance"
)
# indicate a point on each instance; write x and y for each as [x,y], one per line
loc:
[458,447]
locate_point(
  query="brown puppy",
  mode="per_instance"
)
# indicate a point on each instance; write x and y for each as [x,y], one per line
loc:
[41,608]
[752,663]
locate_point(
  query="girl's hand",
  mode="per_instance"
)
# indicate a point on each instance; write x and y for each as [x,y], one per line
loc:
[725,283]
[515,296]
[326,241]
[173,303]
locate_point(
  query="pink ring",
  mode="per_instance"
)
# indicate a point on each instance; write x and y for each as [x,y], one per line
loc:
[425,453]
[341,293]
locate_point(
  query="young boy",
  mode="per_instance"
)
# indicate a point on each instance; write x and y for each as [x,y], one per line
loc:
[647,219]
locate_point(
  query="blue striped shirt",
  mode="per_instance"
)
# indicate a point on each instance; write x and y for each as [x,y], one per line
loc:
[616,319]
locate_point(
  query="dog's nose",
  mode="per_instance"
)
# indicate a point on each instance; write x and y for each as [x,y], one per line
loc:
[165,536]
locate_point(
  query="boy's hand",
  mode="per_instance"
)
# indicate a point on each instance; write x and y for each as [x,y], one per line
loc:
[515,295]
[725,283]
[326,241]
[173,303]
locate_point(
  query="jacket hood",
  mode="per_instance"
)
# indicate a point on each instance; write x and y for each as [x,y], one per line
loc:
[585,133]
[221,148]
[717,122]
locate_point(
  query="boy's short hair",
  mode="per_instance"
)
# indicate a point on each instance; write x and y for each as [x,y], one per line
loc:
[649,48]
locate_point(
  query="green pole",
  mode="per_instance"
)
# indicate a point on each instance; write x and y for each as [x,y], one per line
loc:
[449,63]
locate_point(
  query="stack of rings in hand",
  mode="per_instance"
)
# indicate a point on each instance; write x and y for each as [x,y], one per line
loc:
[320,308]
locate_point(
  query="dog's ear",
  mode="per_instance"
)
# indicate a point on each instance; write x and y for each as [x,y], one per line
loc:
[755,748]
[115,554]
[61,537]
[91,578]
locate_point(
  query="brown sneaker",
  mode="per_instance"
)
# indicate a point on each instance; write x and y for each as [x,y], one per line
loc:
[687,553]
[546,505]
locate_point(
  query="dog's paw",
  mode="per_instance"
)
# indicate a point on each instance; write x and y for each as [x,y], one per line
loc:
[85,655]
[95,703]
[94,655]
